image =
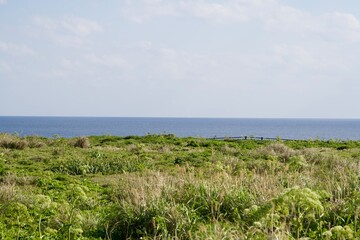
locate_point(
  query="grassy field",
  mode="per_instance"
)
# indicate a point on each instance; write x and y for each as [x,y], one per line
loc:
[164,187]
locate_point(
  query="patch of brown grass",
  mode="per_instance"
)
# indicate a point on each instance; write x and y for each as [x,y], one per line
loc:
[12,142]
[7,193]
[280,150]
[81,142]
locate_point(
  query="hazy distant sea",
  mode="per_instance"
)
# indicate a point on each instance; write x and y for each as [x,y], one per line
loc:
[197,127]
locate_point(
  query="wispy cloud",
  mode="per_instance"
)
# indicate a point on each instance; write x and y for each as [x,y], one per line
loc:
[4,67]
[272,14]
[108,60]
[301,59]
[67,30]
[143,10]
[333,26]
[70,25]
[15,49]
[340,26]
[229,11]
[222,11]
[3,2]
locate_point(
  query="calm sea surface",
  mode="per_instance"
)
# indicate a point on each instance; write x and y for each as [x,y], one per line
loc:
[197,127]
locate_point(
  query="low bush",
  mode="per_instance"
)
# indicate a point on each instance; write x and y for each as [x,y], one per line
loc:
[12,142]
[81,142]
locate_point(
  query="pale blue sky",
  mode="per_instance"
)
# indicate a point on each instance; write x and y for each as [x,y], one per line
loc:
[180,58]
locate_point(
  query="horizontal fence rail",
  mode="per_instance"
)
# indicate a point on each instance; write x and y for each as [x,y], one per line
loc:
[250,138]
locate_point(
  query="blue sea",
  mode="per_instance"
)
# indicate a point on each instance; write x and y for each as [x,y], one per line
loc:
[345,129]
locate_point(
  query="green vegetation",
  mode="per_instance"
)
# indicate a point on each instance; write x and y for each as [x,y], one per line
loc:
[164,187]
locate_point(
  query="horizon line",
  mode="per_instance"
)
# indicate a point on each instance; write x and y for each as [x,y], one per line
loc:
[182,117]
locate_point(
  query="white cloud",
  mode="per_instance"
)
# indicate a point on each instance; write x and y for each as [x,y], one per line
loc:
[70,31]
[143,63]
[4,67]
[163,67]
[217,12]
[143,44]
[168,65]
[80,26]
[329,26]
[273,15]
[229,11]
[3,2]
[70,64]
[290,69]
[15,49]
[143,10]
[69,25]
[224,11]
[297,58]
[340,26]
[108,60]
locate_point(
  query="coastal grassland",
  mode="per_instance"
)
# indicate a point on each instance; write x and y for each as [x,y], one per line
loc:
[164,187]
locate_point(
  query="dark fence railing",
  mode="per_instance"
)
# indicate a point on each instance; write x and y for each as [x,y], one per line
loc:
[249,138]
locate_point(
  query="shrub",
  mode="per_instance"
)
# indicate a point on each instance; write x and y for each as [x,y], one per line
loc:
[297,210]
[12,142]
[82,142]
[283,152]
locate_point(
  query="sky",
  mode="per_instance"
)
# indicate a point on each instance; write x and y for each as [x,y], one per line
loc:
[180,58]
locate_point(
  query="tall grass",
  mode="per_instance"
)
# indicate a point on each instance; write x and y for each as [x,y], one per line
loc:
[81,142]
[12,142]
[163,187]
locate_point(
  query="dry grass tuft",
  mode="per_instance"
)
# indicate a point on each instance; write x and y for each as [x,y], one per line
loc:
[133,148]
[140,189]
[13,179]
[280,150]
[82,142]
[7,193]
[165,149]
[12,142]
[36,144]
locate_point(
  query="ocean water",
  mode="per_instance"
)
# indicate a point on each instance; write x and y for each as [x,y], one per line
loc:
[346,129]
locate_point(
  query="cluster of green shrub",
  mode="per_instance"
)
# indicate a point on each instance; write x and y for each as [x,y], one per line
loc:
[164,187]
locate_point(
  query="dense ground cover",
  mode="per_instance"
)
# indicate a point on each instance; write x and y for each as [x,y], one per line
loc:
[163,187]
